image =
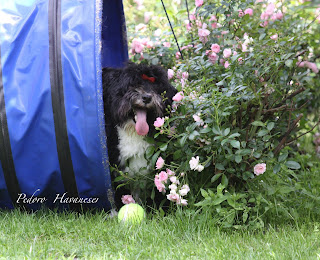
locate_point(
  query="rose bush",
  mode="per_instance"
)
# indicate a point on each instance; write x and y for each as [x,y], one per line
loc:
[247,82]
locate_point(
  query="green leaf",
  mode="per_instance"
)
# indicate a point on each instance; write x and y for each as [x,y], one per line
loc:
[257,155]
[235,144]
[238,158]
[285,189]
[163,147]
[193,135]
[224,141]
[177,154]
[224,180]
[183,140]
[276,168]
[155,61]
[215,177]
[226,131]
[244,216]
[262,132]
[282,157]
[244,152]
[216,131]
[204,193]
[219,200]
[150,151]
[270,126]
[293,165]
[262,35]
[220,167]
[220,188]
[234,135]
[258,123]
[289,63]
[155,158]
[205,130]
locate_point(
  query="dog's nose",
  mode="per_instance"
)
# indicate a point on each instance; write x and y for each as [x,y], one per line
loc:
[146,98]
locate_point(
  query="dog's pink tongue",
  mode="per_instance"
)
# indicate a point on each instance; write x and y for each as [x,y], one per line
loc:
[142,126]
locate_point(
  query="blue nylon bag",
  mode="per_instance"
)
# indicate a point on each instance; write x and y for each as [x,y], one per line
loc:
[52,131]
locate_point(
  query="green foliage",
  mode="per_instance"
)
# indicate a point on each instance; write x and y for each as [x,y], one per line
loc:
[242,106]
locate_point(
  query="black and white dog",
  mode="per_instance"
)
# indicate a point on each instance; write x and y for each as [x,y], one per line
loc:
[134,96]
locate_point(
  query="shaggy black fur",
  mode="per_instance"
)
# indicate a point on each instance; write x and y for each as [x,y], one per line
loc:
[125,91]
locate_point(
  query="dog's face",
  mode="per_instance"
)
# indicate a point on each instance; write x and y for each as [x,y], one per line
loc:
[143,93]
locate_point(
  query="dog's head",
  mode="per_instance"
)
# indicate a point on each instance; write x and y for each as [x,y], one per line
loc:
[142,93]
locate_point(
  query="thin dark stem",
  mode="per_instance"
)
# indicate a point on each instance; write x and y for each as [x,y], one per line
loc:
[174,35]
[295,139]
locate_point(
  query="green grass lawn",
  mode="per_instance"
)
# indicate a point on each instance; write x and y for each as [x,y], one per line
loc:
[49,235]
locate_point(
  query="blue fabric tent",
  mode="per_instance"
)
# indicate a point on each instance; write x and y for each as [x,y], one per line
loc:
[52,141]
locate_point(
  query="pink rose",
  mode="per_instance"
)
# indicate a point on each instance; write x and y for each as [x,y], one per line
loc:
[170,73]
[240,13]
[279,15]
[270,9]
[215,48]
[203,32]
[137,46]
[248,11]
[301,64]
[173,197]
[169,172]
[173,187]
[212,56]
[159,163]
[199,3]
[213,18]
[260,168]
[274,37]
[196,118]
[167,44]
[226,64]
[127,199]
[174,179]
[178,97]
[159,122]
[183,202]
[160,186]
[312,66]
[192,17]
[227,53]
[264,24]
[264,16]
[308,64]
[149,44]
[163,176]
[185,75]
[144,41]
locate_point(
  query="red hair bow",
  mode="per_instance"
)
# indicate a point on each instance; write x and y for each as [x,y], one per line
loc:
[151,79]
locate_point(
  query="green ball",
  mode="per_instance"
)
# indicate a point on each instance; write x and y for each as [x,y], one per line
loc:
[131,213]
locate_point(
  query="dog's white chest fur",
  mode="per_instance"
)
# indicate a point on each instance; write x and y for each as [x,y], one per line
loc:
[132,148]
